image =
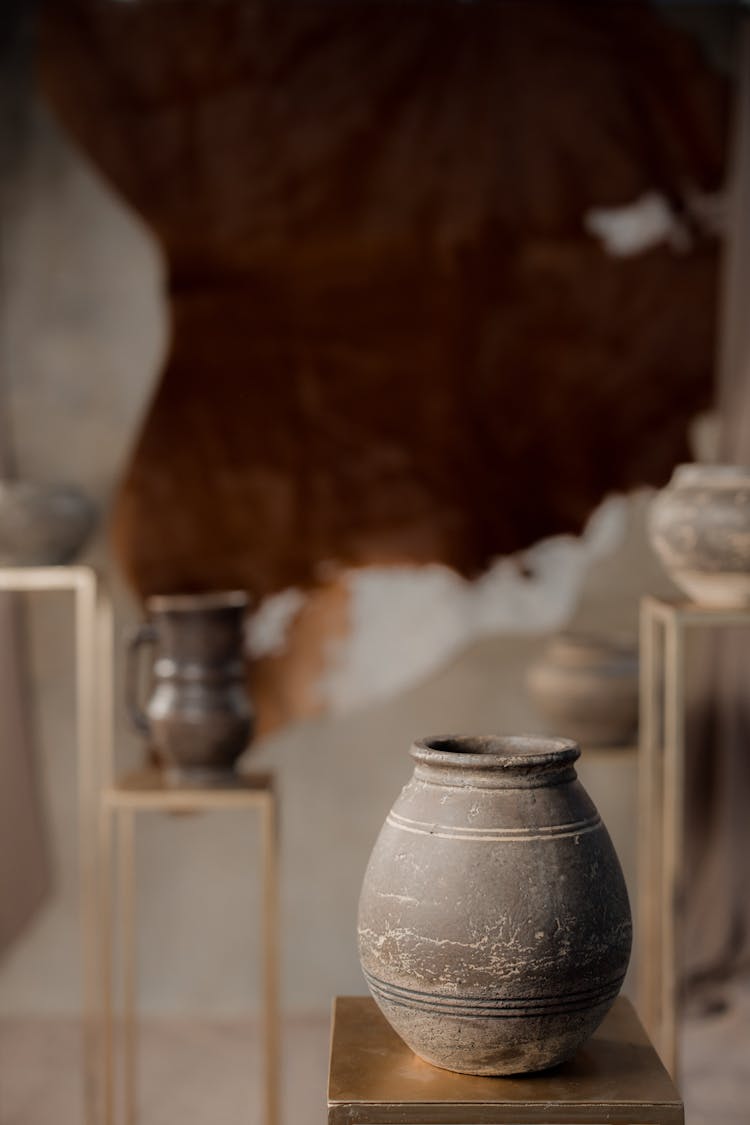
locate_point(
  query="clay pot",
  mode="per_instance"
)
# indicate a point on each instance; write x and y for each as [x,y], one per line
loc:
[42,524]
[494,924]
[700,529]
[198,718]
[586,687]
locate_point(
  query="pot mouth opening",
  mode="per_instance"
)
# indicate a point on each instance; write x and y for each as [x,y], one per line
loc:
[494,752]
[697,473]
[212,599]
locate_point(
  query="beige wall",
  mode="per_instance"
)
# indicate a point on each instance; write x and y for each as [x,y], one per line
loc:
[85,334]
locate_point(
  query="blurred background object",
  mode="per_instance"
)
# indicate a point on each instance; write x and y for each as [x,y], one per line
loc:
[42,524]
[586,688]
[198,719]
[700,529]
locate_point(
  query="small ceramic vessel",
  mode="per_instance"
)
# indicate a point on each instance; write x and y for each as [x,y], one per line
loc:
[42,524]
[700,529]
[198,718]
[586,687]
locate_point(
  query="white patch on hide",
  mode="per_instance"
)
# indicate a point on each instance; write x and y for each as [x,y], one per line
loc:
[636,227]
[407,621]
[268,627]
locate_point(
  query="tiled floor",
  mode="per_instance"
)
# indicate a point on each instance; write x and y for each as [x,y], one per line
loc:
[195,1072]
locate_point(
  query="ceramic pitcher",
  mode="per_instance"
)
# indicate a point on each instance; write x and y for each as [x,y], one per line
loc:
[198,716]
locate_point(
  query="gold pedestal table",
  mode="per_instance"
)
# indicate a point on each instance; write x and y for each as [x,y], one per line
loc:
[147,791]
[92,666]
[615,1079]
[664,626]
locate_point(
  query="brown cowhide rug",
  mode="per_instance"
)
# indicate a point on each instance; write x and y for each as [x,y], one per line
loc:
[394,339]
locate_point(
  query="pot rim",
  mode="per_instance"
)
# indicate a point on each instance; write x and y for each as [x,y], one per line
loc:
[696,473]
[494,751]
[211,599]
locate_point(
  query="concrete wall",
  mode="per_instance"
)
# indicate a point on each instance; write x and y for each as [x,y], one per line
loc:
[84,333]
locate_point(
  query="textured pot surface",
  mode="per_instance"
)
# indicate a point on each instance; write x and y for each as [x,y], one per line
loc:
[586,687]
[494,923]
[700,529]
[198,717]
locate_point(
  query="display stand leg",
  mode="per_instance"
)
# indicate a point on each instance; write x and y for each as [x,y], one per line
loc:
[270,961]
[106,906]
[650,782]
[673,835]
[126,882]
[662,829]
[105,691]
[86,713]
[105,741]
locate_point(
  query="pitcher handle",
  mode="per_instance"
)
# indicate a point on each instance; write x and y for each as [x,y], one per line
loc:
[142,635]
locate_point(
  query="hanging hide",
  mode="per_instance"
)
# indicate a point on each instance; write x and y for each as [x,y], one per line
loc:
[404,327]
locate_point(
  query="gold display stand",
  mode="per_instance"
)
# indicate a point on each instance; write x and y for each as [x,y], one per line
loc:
[93,679]
[146,791]
[375,1079]
[663,625]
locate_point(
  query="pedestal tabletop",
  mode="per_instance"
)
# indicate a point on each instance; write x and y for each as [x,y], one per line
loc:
[375,1079]
[149,788]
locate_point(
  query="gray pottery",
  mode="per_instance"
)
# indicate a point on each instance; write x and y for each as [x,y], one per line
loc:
[198,717]
[494,923]
[42,524]
[586,687]
[700,529]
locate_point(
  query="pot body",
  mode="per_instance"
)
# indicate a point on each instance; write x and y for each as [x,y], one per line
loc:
[700,529]
[587,689]
[494,923]
[198,716]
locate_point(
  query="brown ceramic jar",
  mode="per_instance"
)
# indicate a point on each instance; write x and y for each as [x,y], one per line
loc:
[494,923]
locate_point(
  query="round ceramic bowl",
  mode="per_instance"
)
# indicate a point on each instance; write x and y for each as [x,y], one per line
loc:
[42,524]
[700,529]
[586,687]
